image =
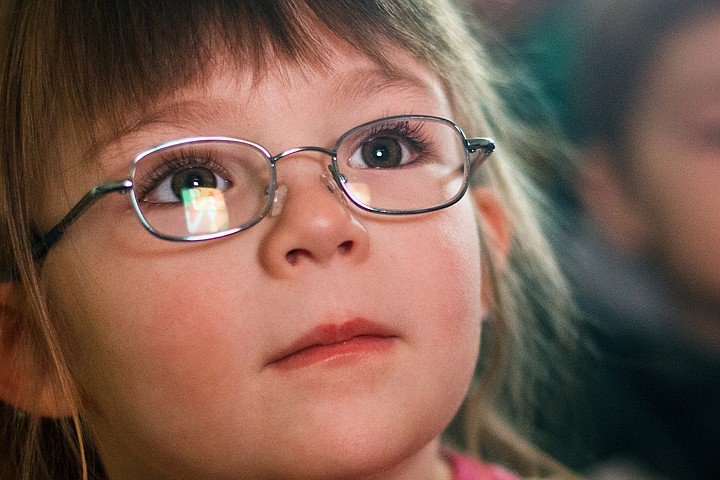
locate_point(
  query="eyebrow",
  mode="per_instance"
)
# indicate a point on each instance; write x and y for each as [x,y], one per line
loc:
[193,112]
[369,81]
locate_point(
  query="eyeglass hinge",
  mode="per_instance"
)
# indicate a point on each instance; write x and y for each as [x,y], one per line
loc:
[485,144]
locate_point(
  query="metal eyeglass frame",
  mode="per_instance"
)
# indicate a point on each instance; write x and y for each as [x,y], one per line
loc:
[485,146]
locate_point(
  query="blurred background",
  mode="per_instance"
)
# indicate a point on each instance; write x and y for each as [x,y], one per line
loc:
[633,87]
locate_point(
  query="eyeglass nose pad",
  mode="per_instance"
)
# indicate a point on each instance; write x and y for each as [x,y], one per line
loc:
[332,186]
[278,200]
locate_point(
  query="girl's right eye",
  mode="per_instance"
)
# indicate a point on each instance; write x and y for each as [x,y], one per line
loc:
[170,189]
[166,186]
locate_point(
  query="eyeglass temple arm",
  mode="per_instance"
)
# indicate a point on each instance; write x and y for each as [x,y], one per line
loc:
[41,246]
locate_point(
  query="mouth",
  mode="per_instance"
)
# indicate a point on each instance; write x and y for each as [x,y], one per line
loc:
[335,344]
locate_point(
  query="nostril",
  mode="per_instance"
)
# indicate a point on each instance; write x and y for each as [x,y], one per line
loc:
[345,247]
[292,256]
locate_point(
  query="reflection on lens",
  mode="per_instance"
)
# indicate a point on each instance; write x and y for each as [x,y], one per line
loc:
[205,210]
[360,192]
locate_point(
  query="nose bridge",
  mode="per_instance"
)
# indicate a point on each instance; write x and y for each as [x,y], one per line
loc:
[329,182]
[327,178]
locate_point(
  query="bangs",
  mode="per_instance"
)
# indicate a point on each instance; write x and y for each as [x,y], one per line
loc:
[107,62]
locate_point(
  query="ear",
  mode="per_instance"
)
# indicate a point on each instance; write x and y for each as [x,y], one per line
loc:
[496,228]
[24,382]
[609,204]
[497,233]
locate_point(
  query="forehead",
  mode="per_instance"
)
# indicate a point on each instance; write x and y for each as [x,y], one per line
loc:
[347,79]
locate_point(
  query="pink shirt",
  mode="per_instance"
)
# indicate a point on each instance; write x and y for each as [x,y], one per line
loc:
[466,468]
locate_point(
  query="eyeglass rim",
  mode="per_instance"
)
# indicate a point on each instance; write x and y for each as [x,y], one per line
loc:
[470,145]
[485,146]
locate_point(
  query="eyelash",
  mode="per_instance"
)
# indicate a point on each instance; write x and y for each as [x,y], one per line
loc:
[401,130]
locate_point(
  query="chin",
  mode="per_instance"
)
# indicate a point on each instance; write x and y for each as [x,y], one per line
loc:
[358,447]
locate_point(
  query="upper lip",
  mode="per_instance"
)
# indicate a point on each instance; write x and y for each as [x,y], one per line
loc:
[333,333]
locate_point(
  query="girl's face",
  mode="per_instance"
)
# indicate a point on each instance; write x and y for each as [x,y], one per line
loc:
[192,358]
[675,140]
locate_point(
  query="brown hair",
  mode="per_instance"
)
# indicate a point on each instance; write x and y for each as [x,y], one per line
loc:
[72,66]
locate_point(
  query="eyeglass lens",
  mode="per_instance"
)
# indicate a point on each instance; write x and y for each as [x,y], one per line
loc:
[403,164]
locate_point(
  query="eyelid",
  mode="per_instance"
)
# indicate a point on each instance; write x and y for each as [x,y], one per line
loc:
[400,129]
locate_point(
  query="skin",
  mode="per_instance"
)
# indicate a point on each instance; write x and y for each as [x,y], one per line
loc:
[171,343]
[666,203]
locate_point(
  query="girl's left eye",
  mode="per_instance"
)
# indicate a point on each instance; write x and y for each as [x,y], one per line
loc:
[169,189]
[383,151]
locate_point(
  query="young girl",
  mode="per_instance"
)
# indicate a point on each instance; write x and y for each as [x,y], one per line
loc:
[236,242]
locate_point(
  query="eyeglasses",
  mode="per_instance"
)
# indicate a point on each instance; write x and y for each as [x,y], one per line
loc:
[204,188]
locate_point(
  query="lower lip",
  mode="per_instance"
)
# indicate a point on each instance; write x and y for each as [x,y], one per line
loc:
[337,353]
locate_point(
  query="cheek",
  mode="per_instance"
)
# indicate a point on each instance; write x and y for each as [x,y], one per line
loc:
[446,284]
[171,365]
[141,343]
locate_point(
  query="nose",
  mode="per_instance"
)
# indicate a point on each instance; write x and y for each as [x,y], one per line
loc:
[315,227]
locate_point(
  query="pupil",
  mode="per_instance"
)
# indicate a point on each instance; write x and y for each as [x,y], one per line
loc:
[382,153]
[192,178]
